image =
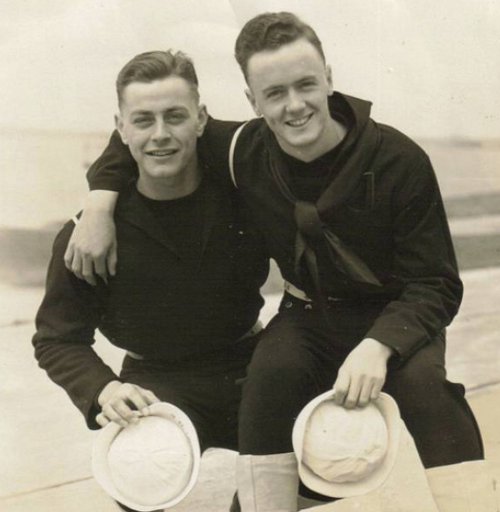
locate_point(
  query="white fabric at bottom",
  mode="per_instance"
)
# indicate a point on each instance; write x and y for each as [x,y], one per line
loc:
[267,483]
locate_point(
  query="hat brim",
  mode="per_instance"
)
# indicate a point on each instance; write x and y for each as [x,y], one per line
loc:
[389,410]
[105,437]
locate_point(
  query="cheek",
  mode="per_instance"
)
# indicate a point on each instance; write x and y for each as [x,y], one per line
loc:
[188,137]
[136,138]
[136,145]
[272,114]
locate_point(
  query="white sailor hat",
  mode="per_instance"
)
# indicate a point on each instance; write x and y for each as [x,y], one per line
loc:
[346,452]
[149,465]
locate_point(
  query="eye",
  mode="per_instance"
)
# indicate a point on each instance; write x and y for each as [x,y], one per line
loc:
[176,117]
[308,84]
[142,122]
[274,94]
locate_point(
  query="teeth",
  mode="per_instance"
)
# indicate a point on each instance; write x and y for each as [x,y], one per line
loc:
[162,153]
[298,122]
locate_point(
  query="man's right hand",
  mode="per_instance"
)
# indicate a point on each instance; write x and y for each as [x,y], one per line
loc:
[123,403]
[92,246]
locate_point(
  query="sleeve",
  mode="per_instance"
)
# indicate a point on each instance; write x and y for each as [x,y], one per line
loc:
[424,259]
[214,145]
[114,168]
[65,326]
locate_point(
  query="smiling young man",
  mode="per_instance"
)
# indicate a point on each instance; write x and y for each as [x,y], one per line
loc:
[185,300]
[351,211]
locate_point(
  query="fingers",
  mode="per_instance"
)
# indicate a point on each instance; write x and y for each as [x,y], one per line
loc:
[86,267]
[112,259]
[68,256]
[92,248]
[352,398]
[101,420]
[126,405]
[356,391]
[81,265]
[377,389]
[76,266]
[88,271]
[120,412]
[141,398]
[365,394]
[341,387]
[352,393]
[101,269]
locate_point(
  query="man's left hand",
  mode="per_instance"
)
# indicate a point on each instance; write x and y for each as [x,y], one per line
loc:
[362,376]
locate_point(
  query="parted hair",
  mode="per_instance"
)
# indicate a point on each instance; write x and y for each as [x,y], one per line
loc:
[156,65]
[270,31]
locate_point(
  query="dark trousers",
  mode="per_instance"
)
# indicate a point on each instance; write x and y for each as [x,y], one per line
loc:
[298,357]
[207,389]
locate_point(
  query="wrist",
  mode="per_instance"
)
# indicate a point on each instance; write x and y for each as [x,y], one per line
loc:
[384,350]
[101,201]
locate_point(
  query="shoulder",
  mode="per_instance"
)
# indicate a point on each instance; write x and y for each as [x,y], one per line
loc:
[213,145]
[251,139]
[395,144]
[216,138]
[404,164]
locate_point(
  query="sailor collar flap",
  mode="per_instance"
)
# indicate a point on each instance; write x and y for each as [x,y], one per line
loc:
[353,160]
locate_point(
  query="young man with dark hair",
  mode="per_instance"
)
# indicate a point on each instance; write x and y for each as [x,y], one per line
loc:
[351,211]
[185,301]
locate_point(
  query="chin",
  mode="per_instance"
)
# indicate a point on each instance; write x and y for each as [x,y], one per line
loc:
[301,142]
[307,137]
[164,172]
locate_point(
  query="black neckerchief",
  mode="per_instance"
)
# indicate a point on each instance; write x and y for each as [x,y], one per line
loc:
[353,163]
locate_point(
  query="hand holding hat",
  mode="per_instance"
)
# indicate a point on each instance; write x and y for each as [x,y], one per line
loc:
[366,456]
[345,452]
[149,465]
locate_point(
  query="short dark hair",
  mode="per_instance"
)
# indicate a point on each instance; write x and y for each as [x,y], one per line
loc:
[270,31]
[156,65]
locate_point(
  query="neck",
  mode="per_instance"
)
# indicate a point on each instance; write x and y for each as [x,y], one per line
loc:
[172,187]
[333,134]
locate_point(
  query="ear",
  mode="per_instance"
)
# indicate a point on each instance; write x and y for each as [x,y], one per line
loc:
[329,80]
[251,98]
[119,127]
[202,120]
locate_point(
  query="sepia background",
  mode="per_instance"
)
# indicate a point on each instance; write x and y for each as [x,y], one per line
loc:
[430,68]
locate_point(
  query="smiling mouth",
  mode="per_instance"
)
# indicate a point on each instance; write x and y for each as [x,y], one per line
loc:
[161,153]
[298,123]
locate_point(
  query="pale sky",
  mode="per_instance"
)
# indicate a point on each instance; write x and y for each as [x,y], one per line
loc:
[430,67]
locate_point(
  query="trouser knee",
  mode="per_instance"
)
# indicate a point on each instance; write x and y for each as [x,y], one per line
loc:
[436,414]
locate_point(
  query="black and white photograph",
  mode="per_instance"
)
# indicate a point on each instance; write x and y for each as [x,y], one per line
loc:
[250,256]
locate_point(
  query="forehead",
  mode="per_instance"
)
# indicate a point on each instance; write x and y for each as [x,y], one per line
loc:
[284,65]
[166,93]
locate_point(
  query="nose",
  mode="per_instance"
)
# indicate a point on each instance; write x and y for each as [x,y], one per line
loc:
[295,102]
[161,131]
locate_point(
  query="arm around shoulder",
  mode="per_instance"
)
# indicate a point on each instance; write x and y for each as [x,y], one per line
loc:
[92,247]
[114,168]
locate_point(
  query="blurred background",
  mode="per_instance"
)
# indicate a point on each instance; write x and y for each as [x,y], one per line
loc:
[430,68]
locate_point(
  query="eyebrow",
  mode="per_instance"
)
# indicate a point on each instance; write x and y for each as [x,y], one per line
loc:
[281,86]
[272,88]
[168,110]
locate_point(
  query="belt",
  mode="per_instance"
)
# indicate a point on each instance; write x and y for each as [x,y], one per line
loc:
[255,329]
[301,295]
